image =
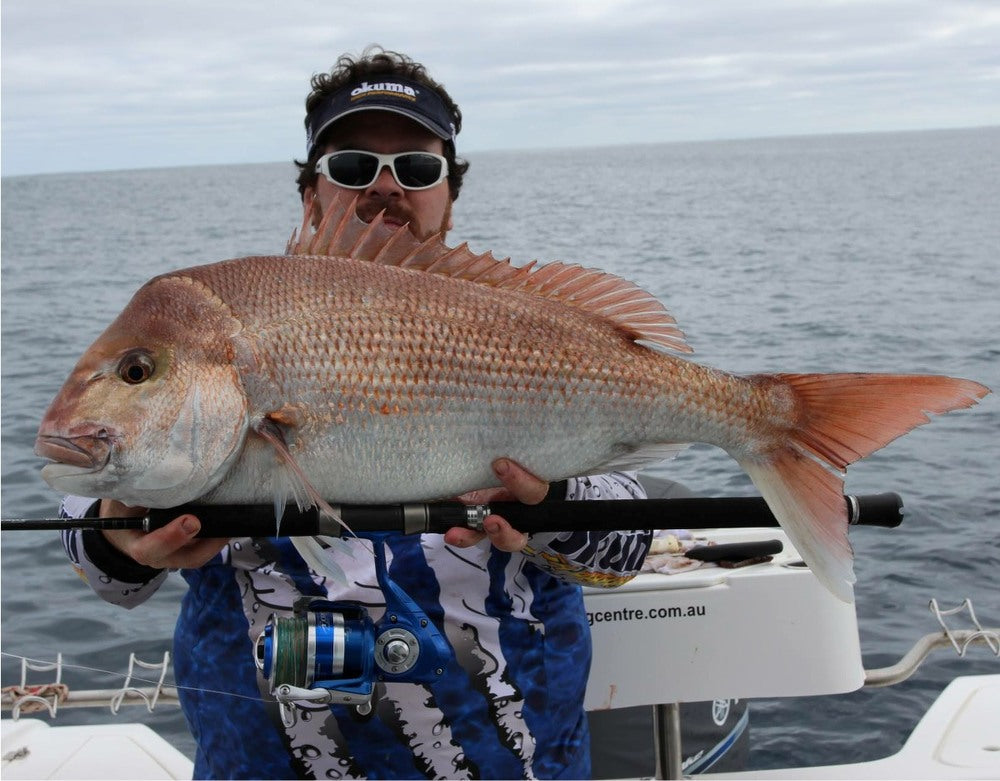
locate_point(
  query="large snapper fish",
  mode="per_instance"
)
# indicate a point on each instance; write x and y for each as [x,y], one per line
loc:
[366,366]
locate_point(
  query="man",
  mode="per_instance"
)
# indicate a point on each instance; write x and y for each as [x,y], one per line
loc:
[510,704]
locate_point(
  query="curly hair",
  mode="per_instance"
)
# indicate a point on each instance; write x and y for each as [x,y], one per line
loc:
[376,61]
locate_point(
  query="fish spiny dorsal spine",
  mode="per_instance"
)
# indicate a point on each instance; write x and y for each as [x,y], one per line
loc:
[626,306]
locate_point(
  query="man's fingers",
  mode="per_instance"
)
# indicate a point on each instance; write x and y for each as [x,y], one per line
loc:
[523,486]
[518,485]
[503,536]
[462,538]
[500,534]
[172,545]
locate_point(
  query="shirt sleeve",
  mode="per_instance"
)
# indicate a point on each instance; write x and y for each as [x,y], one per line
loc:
[112,575]
[600,558]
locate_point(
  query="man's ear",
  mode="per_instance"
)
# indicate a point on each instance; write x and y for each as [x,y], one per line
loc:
[310,201]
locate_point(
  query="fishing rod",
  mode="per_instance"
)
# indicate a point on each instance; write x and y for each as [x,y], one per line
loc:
[258,520]
[334,652]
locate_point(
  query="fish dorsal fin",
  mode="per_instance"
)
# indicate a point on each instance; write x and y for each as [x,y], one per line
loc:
[628,307]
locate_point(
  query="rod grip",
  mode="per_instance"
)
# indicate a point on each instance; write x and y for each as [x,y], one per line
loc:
[687,513]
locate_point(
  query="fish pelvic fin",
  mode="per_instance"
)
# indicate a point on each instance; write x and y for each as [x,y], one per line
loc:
[633,311]
[315,552]
[841,418]
[290,480]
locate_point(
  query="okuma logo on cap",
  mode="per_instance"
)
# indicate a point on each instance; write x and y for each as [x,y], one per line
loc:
[384,88]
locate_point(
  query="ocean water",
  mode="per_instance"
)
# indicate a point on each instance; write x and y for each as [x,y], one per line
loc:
[861,252]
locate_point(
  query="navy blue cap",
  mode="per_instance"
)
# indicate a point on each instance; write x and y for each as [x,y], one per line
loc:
[383,93]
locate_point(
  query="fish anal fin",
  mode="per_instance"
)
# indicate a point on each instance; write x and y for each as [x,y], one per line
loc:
[633,311]
[634,460]
[808,501]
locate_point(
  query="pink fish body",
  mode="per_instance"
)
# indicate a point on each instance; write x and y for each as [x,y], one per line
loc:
[368,367]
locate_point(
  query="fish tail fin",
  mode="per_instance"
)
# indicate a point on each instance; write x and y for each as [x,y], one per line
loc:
[839,419]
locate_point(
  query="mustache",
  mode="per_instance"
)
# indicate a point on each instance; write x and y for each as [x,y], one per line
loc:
[369,208]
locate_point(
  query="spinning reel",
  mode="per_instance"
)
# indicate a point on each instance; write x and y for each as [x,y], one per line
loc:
[333,653]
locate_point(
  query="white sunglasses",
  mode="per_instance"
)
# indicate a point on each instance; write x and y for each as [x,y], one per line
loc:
[356,170]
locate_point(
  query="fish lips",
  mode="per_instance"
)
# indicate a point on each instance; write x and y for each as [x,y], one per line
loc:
[73,454]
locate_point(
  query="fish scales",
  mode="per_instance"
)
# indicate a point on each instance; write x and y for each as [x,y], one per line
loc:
[404,375]
[366,366]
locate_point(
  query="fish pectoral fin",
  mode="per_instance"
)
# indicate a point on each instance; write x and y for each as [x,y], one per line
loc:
[286,415]
[290,480]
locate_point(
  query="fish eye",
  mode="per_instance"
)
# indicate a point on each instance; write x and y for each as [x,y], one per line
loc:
[136,367]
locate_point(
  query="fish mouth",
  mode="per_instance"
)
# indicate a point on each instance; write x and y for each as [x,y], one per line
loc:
[85,451]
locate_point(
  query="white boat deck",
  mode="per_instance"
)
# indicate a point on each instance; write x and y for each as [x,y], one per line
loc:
[958,737]
[33,749]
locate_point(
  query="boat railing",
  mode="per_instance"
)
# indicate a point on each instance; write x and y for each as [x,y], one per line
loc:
[959,639]
[50,696]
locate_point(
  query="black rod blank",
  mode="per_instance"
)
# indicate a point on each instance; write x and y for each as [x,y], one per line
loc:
[437,517]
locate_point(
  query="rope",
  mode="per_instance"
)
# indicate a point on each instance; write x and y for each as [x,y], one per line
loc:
[32,699]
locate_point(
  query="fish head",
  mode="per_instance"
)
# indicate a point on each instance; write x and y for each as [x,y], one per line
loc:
[154,413]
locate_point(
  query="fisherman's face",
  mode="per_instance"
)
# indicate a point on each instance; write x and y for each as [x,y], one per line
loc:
[427,211]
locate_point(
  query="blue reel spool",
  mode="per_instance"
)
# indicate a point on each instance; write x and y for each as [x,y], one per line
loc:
[333,652]
[326,646]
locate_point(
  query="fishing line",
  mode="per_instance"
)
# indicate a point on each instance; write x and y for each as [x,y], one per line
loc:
[154,682]
[291,635]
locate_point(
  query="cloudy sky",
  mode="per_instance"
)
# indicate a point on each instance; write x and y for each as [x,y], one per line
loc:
[108,84]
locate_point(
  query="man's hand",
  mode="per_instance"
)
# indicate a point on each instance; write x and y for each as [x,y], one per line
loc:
[172,546]
[519,485]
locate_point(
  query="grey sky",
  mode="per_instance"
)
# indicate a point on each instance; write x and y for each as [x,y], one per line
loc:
[103,84]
